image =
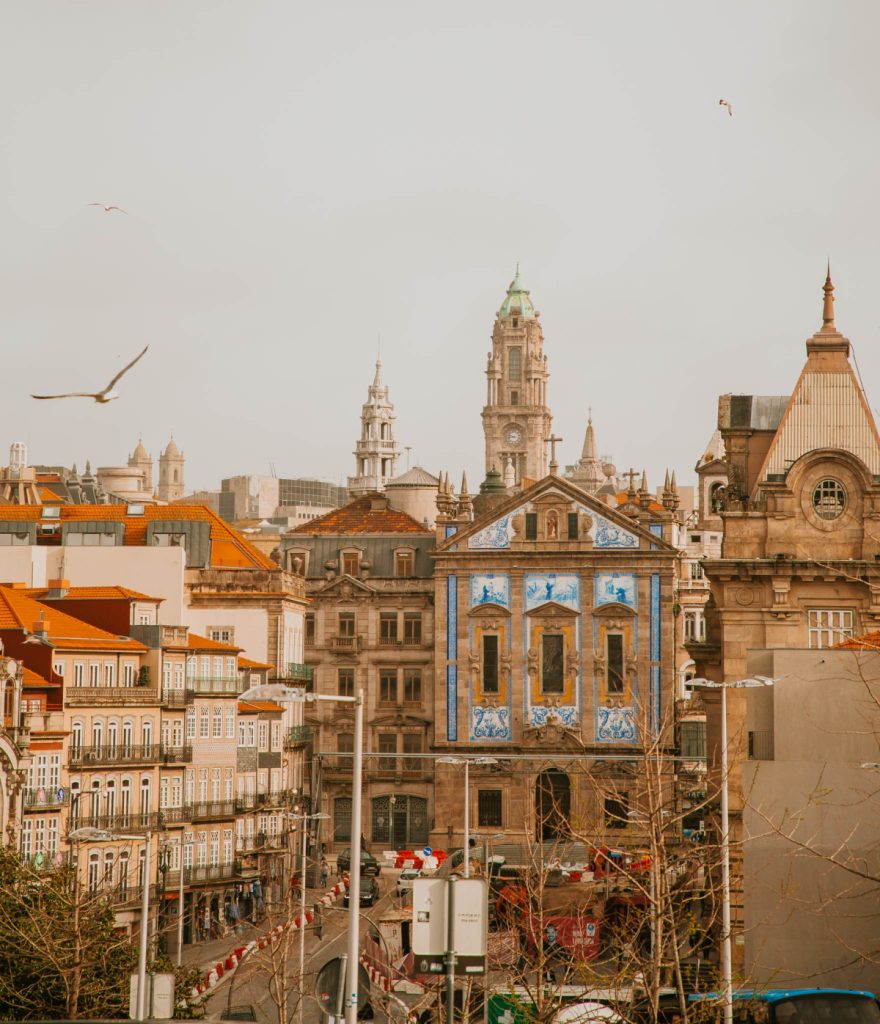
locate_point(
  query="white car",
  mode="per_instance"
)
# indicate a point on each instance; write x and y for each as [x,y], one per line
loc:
[406,879]
[587,1013]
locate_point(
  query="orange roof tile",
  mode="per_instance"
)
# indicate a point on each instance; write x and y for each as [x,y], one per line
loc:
[203,643]
[359,516]
[94,594]
[247,663]
[31,680]
[228,548]
[865,642]
[18,611]
[622,497]
[253,706]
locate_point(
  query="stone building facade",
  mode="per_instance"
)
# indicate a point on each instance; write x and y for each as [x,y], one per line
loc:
[370,626]
[376,452]
[554,638]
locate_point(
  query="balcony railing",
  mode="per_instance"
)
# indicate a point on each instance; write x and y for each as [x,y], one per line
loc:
[251,801]
[175,815]
[215,684]
[210,873]
[116,753]
[87,696]
[297,735]
[45,797]
[176,698]
[176,755]
[296,670]
[212,810]
[346,644]
[117,822]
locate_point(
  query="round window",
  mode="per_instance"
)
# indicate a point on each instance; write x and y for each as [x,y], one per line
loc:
[829,499]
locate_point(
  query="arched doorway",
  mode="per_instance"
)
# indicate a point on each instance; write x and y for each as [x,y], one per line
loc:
[400,822]
[552,805]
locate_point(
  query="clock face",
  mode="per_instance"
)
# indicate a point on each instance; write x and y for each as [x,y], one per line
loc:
[513,435]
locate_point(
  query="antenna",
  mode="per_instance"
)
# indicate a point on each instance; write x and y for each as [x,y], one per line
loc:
[407,448]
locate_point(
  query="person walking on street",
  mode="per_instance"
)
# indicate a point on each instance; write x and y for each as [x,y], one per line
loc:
[325,872]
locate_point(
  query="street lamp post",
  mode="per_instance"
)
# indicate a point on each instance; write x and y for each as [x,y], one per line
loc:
[290,694]
[303,818]
[467,762]
[726,951]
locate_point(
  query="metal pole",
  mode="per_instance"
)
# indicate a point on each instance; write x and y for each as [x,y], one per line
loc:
[354,880]
[180,913]
[302,925]
[340,989]
[726,957]
[145,931]
[450,952]
[467,823]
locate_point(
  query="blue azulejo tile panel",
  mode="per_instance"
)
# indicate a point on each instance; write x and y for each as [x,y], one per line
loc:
[490,723]
[541,587]
[490,588]
[607,534]
[451,658]
[615,587]
[656,529]
[656,696]
[495,535]
[566,715]
[450,531]
[616,725]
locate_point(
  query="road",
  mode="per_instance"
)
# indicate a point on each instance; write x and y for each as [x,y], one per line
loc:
[250,984]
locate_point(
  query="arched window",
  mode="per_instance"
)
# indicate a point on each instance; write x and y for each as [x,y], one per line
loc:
[123,872]
[552,805]
[76,739]
[145,796]
[125,799]
[716,497]
[400,822]
[94,870]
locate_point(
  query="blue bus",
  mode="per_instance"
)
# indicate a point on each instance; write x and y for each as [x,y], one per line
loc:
[789,1006]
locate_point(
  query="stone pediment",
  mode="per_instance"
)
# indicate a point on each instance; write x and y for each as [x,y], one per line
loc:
[613,610]
[399,719]
[347,586]
[490,610]
[552,610]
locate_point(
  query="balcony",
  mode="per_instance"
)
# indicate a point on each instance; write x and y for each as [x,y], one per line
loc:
[212,810]
[116,754]
[176,698]
[214,685]
[251,801]
[175,815]
[45,798]
[298,735]
[211,873]
[345,644]
[94,696]
[176,755]
[118,822]
[298,671]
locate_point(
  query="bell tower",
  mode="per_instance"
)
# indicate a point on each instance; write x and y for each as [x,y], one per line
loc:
[516,419]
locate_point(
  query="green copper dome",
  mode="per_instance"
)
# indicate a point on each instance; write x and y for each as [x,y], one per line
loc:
[517,302]
[493,484]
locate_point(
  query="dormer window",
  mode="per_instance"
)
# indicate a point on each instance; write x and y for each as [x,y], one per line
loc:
[829,499]
[351,563]
[404,562]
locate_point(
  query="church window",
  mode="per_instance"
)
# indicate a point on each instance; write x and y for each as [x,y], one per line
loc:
[531,525]
[514,398]
[350,563]
[552,673]
[514,363]
[572,526]
[829,499]
[490,663]
[829,626]
[346,623]
[614,662]
[403,563]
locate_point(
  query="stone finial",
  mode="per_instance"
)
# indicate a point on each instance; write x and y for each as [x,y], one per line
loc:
[828,304]
[509,474]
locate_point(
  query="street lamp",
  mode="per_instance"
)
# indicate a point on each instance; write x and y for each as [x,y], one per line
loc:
[290,694]
[467,762]
[302,904]
[726,952]
[99,835]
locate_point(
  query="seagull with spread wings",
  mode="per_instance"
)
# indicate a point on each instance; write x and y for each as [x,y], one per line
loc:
[105,396]
[108,209]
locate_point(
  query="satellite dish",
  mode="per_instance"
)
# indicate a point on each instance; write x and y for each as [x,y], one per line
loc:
[331,979]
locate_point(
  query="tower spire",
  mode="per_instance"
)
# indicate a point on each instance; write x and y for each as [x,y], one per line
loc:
[828,304]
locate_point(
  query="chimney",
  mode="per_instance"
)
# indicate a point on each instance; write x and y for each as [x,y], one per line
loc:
[58,588]
[40,628]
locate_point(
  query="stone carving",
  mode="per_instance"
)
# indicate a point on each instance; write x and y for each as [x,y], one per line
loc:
[532,661]
[616,725]
[490,723]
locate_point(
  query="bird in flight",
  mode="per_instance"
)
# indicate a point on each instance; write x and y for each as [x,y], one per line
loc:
[724,103]
[108,394]
[108,209]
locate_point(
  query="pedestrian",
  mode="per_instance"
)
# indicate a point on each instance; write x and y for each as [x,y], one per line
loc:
[325,872]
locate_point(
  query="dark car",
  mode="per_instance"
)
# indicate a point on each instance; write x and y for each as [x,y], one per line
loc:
[369,892]
[245,1012]
[369,864]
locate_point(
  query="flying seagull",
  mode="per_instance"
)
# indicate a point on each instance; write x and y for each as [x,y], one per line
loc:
[724,103]
[108,394]
[108,209]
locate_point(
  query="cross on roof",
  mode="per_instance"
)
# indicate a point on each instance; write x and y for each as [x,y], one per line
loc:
[632,474]
[553,440]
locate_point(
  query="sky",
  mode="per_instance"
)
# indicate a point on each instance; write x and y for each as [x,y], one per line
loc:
[301,179]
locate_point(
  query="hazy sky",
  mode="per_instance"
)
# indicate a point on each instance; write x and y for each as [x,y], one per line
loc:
[301,177]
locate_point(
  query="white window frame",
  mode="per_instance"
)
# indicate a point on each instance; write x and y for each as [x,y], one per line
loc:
[829,626]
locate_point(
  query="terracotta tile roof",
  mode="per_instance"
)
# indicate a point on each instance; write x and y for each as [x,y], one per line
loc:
[18,611]
[203,643]
[31,680]
[253,706]
[228,548]
[94,594]
[49,496]
[247,663]
[865,642]
[622,497]
[359,516]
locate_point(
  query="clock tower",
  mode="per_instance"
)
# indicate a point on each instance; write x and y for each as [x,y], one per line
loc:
[516,419]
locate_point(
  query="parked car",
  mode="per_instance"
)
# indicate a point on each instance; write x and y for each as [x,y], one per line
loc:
[369,892]
[406,879]
[369,864]
[244,1012]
